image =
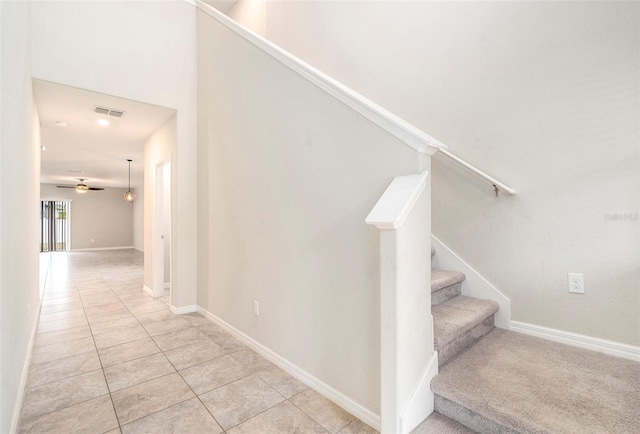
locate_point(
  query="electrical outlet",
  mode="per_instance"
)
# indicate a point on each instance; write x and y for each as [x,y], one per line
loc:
[256,308]
[576,283]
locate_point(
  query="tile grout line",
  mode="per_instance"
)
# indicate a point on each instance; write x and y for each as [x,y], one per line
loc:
[317,421]
[207,338]
[105,379]
[246,376]
[70,376]
[109,285]
[28,388]
[96,346]
[73,376]
[238,379]
[226,384]
[161,352]
[185,381]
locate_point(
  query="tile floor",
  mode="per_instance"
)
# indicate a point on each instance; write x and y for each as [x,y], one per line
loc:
[108,358]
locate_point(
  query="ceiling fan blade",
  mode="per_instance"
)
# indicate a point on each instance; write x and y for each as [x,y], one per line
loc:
[74,186]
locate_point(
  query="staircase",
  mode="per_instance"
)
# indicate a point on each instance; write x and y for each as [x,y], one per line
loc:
[496,381]
[458,321]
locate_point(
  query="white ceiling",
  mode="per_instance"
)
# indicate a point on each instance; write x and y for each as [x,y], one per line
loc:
[100,153]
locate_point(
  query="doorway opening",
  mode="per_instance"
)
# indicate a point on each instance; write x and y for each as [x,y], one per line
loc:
[55,226]
[128,129]
[162,231]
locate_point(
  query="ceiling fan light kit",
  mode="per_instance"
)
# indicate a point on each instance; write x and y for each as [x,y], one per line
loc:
[81,188]
[129,196]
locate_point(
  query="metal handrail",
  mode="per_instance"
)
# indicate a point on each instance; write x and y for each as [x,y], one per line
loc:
[497,185]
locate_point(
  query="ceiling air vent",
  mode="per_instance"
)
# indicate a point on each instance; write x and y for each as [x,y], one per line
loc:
[108,111]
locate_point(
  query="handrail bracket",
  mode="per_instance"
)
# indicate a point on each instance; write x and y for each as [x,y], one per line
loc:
[497,185]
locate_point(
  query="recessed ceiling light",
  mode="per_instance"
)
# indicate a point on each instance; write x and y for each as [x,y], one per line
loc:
[62,124]
[103,122]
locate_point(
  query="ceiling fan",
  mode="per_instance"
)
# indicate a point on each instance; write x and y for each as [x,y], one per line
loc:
[80,188]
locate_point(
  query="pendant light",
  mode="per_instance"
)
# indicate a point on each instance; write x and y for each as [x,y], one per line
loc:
[129,195]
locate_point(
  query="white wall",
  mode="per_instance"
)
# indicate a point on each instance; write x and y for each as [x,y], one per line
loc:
[159,149]
[287,176]
[252,14]
[102,216]
[138,218]
[542,95]
[144,51]
[19,208]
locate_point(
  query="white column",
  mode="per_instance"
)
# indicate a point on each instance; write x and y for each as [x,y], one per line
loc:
[408,361]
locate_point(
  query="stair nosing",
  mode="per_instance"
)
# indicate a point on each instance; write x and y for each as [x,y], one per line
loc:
[458,277]
[476,317]
[504,426]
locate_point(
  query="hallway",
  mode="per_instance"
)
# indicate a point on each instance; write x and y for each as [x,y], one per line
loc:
[109,358]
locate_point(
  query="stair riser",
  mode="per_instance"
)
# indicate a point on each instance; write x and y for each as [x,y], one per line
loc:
[464,341]
[446,293]
[468,418]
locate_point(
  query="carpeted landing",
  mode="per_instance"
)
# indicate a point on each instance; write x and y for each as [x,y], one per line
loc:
[513,383]
[437,423]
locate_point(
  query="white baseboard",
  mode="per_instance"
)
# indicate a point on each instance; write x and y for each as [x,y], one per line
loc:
[148,290]
[475,285]
[15,418]
[138,249]
[625,351]
[93,249]
[183,309]
[353,407]
[421,403]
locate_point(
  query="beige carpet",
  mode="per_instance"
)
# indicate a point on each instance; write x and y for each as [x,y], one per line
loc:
[439,424]
[519,383]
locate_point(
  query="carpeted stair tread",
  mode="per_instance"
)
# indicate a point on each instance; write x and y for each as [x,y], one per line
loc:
[443,278]
[459,315]
[510,382]
[439,424]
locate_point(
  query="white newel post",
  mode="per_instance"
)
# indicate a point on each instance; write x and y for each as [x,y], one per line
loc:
[408,360]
